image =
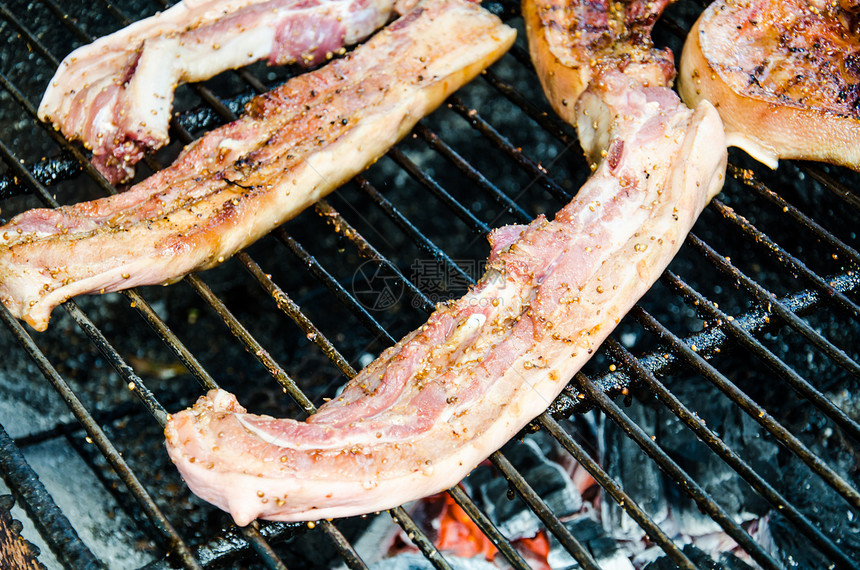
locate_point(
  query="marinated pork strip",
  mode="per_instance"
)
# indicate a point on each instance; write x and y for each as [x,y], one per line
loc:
[116,93]
[293,146]
[784,76]
[570,42]
[430,408]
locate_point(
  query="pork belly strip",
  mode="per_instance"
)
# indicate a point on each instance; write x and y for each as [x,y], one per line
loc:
[785,77]
[571,41]
[293,146]
[430,408]
[116,93]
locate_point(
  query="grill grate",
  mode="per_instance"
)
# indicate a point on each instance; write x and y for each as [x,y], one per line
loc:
[794,284]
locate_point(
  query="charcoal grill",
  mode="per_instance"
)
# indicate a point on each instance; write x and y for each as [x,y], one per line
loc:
[759,311]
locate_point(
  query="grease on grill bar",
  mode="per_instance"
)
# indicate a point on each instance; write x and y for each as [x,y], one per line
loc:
[767,330]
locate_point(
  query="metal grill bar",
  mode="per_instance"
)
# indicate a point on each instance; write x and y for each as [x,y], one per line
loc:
[400,517]
[705,501]
[618,494]
[477,226]
[334,286]
[232,543]
[171,340]
[549,123]
[539,507]
[766,299]
[709,341]
[472,173]
[367,250]
[833,186]
[422,241]
[796,215]
[713,441]
[32,495]
[291,309]
[754,410]
[800,384]
[262,548]
[488,528]
[529,166]
[64,144]
[252,345]
[788,261]
[344,548]
[166,530]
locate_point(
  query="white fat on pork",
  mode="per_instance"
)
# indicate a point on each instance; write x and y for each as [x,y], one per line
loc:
[783,75]
[116,93]
[418,419]
[294,145]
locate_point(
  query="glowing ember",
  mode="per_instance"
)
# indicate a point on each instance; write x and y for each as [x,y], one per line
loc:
[535,550]
[458,533]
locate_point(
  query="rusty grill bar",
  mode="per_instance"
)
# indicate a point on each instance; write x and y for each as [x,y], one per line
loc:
[754,318]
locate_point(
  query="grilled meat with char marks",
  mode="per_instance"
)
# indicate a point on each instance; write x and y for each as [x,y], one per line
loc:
[116,93]
[234,185]
[784,76]
[571,42]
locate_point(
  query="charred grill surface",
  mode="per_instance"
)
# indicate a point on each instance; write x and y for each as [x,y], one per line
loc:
[746,315]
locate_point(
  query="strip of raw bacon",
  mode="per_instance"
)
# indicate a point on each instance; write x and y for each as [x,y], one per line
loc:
[430,408]
[294,145]
[116,93]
